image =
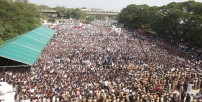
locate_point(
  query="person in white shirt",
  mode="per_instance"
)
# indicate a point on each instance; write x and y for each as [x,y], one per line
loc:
[189,88]
[197,97]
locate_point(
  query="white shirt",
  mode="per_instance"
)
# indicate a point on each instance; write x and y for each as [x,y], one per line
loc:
[106,83]
[189,88]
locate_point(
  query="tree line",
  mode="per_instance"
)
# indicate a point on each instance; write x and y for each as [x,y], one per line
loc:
[63,12]
[76,13]
[20,16]
[17,17]
[177,21]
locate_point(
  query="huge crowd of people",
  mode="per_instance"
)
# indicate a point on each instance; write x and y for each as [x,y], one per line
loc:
[94,64]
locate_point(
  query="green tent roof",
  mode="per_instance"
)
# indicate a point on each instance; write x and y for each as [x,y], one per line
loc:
[27,47]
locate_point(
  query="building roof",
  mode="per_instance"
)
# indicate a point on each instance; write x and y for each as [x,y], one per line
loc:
[26,48]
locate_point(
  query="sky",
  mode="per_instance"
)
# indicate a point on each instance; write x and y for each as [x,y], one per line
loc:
[102,4]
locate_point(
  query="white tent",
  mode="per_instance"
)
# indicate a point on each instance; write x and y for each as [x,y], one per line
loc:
[6,92]
[5,88]
[8,97]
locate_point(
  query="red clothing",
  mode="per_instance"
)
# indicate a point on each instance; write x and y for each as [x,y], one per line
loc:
[158,88]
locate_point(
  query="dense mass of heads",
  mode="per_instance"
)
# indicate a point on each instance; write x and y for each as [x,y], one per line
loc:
[94,64]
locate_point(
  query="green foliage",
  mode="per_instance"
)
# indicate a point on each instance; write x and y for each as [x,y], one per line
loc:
[51,20]
[1,41]
[68,12]
[114,18]
[17,18]
[89,18]
[175,20]
[138,16]
[77,13]
[43,7]
[62,11]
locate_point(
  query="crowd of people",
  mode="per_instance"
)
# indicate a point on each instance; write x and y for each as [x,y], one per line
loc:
[94,64]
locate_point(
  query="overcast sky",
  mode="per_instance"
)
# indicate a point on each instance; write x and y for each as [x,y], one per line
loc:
[103,4]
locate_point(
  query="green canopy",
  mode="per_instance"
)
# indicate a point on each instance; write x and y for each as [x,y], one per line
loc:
[27,47]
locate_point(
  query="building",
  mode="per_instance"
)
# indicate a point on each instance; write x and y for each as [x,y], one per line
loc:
[94,11]
[50,13]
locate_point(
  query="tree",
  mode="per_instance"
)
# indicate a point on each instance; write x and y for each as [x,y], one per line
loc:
[62,11]
[28,17]
[1,41]
[83,8]
[137,16]
[69,12]
[44,7]
[22,1]
[175,20]
[77,13]
[127,15]
[170,20]
[193,22]
[17,18]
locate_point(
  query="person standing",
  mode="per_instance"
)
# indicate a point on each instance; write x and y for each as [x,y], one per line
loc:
[182,96]
[189,88]
[174,98]
[197,97]
[188,98]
